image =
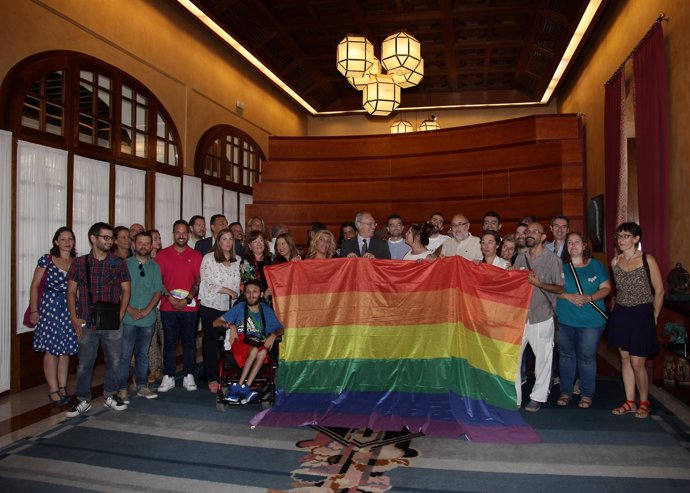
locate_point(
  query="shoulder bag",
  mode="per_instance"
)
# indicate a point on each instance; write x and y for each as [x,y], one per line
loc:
[579,290]
[105,315]
[41,287]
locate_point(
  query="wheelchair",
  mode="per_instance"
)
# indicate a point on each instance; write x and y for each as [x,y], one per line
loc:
[229,372]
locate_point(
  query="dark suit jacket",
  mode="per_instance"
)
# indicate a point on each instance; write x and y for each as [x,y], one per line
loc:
[204,245]
[378,248]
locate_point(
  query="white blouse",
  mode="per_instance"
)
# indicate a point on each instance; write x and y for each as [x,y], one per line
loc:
[215,275]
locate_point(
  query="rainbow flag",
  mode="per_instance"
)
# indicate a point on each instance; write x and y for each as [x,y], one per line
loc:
[385,344]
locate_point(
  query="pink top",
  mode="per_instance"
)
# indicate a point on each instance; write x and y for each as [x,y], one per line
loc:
[179,270]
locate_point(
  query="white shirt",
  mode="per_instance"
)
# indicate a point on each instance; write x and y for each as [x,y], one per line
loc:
[215,275]
[416,256]
[434,243]
[468,248]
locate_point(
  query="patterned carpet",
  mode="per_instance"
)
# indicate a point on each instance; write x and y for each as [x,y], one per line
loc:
[181,442]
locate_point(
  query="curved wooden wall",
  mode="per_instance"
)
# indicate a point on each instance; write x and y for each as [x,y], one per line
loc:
[533,165]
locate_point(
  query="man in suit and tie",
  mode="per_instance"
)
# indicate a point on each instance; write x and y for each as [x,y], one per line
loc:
[365,244]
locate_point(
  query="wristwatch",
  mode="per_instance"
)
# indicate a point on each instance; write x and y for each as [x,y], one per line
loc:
[189,300]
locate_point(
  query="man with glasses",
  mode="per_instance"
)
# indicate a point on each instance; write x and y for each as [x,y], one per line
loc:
[461,243]
[560,226]
[140,319]
[98,276]
[546,278]
[365,244]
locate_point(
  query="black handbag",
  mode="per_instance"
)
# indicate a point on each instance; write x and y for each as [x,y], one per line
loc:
[105,315]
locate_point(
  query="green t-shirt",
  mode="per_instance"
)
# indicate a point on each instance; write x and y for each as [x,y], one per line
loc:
[143,288]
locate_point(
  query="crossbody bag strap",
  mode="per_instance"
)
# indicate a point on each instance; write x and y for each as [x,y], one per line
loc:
[89,297]
[579,290]
[542,291]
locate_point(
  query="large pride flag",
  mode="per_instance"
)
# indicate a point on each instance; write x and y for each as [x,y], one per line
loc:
[384,344]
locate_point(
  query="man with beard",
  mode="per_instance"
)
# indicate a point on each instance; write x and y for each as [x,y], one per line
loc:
[181,272]
[438,238]
[197,230]
[140,319]
[218,223]
[96,277]
[396,243]
[238,234]
[462,243]
[520,241]
[546,278]
[253,328]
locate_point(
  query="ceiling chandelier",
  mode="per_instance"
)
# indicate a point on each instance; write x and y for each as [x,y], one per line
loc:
[400,57]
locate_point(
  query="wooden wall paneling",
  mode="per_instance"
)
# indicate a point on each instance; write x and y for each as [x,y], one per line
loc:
[532,165]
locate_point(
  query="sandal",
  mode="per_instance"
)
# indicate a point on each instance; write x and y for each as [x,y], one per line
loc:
[643,410]
[564,400]
[65,398]
[55,401]
[585,403]
[627,407]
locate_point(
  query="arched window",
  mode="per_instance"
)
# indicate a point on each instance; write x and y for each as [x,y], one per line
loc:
[228,158]
[84,105]
[92,144]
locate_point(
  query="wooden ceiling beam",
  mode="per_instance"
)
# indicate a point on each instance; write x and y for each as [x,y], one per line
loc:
[448,27]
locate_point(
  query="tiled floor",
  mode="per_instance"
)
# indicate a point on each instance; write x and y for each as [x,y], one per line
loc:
[28,412]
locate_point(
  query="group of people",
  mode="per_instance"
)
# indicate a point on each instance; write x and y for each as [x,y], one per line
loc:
[219,280]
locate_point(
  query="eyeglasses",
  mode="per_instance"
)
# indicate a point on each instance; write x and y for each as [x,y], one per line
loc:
[458,225]
[623,236]
[106,237]
[371,225]
[142,272]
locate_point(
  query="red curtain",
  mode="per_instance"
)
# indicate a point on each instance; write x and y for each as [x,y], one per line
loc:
[652,142]
[613,154]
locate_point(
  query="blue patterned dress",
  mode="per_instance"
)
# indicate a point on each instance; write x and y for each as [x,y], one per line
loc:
[54,332]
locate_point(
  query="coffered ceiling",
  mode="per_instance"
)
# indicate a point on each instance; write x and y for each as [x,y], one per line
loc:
[476,52]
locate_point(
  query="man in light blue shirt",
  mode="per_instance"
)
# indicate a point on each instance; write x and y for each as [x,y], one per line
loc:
[396,243]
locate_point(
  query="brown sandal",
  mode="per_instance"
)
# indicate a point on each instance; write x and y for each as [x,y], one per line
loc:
[564,400]
[627,407]
[643,410]
[585,403]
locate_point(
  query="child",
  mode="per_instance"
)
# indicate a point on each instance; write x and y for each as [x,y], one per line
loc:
[255,327]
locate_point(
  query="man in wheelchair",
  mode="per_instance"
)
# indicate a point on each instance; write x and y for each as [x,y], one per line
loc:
[254,328]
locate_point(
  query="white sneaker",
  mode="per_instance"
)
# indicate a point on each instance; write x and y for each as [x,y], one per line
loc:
[167,383]
[78,409]
[115,403]
[188,382]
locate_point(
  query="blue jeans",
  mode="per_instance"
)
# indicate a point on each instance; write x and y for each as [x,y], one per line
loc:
[135,340]
[176,326]
[88,350]
[578,349]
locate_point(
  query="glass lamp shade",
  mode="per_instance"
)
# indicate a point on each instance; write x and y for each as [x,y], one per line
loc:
[400,53]
[412,77]
[355,56]
[402,127]
[359,82]
[381,95]
[428,125]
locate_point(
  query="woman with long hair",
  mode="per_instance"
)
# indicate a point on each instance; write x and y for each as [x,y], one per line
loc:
[632,324]
[54,334]
[286,250]
[220,285]
[256,257]
[156,347]
[581,318]
[322,245]
[507,248]
[417,237]
[156,243]
[348,230]
[122,243]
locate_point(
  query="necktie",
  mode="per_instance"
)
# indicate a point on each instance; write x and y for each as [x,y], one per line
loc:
[364,247]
